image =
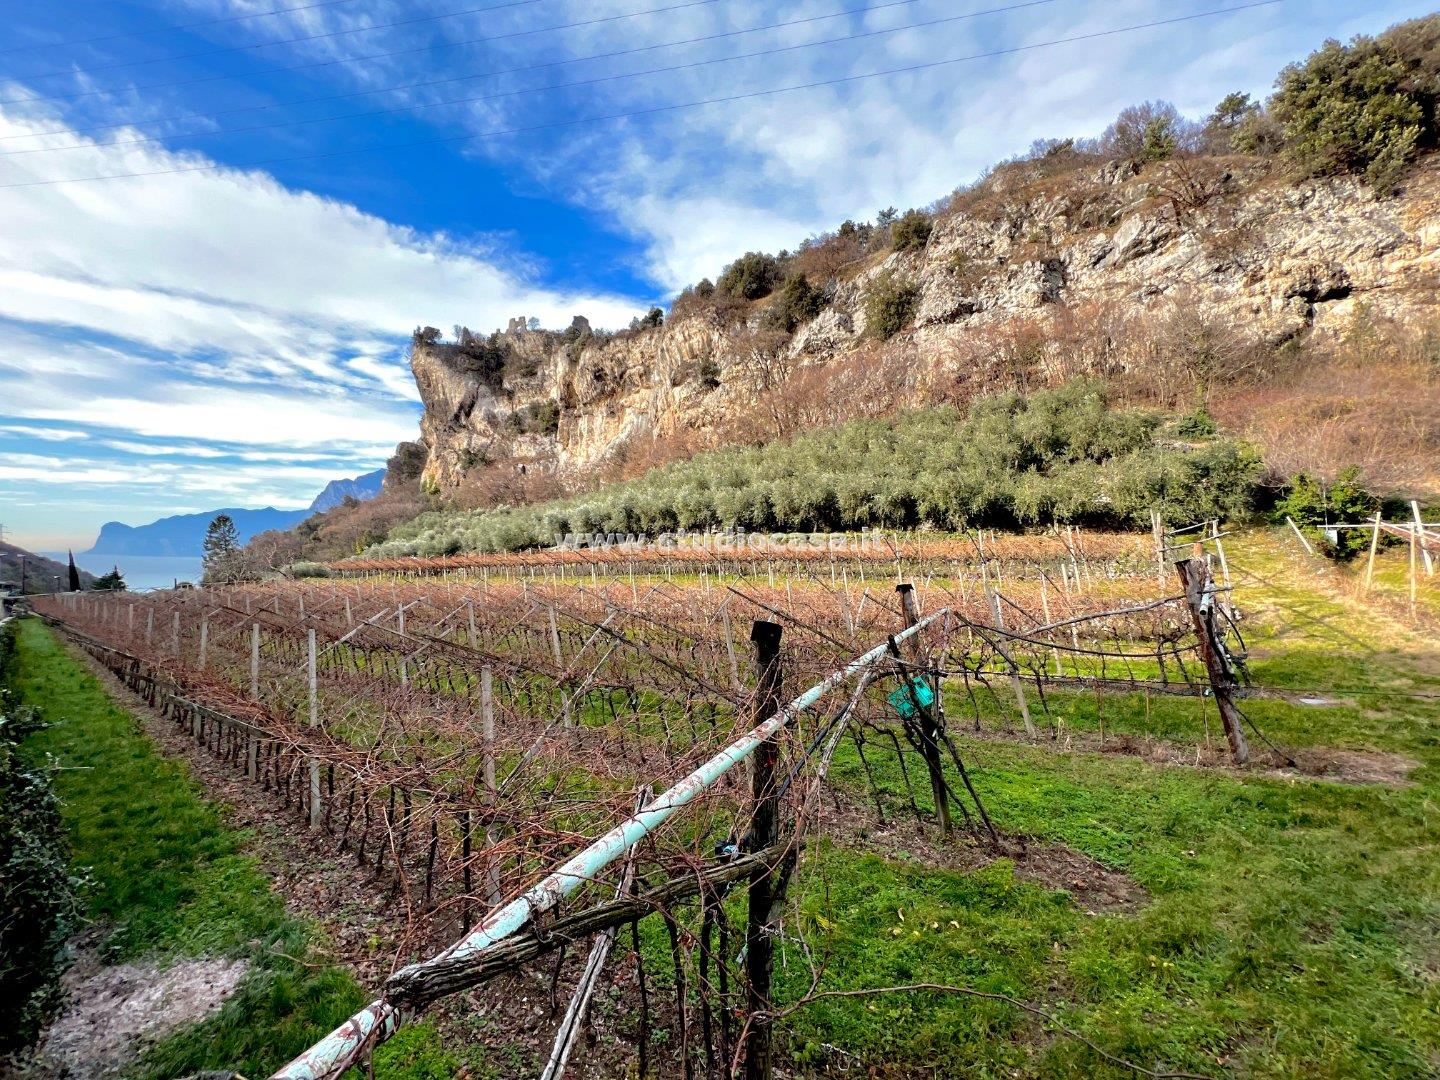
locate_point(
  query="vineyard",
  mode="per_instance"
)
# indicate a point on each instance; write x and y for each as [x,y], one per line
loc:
[534,752]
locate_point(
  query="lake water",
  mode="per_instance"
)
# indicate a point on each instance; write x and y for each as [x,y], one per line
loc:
[141,571]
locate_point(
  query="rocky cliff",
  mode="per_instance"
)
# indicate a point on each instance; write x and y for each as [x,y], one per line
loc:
[1227,240]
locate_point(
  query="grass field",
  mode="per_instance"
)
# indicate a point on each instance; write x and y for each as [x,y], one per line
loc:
[1276,925]
[171,880]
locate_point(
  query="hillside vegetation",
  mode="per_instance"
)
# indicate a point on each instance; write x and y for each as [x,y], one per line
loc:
[1056,456]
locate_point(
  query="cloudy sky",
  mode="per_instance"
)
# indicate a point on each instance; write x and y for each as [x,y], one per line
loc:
[221,219]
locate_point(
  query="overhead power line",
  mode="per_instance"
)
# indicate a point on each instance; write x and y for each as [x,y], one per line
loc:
[403,109]
[172,28]
[351,94]
[651,111]
[312,65]
[282,41]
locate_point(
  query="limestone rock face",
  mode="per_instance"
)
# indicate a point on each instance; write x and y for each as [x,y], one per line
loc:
[1260,253]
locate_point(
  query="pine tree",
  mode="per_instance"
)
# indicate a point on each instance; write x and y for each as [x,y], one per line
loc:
[74,573]
[114,581]
[221,541]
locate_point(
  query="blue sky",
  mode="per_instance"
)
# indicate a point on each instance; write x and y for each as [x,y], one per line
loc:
[230,328]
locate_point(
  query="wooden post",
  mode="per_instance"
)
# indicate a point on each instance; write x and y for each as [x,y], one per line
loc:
[1374,543]
[929,730]
[470,613]
[1219,550]
[764,833]
[255,661]
[1195,576]
[149,625]
[349,618]
[1299,535]
[1420,528]
[204,639]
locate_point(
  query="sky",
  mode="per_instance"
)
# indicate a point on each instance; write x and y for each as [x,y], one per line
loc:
[220,220]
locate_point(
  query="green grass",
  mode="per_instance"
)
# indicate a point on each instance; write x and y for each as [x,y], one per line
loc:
[171,879]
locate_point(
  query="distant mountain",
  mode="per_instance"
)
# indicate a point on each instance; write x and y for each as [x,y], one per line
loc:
[359,487]
[41,574]
[184,534]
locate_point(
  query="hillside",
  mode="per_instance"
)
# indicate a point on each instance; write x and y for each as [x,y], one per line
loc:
[1027,281]
[1269,271]
[41,574]
[1009,462]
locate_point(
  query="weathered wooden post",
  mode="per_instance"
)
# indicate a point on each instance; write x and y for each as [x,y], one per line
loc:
[175,636]
[1420,528]
[929,729]
[1374,545]
[204,639]
[1195,576]
[764,833]
[149,625]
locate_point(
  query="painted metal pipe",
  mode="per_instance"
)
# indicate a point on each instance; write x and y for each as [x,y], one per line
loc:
[344,1046]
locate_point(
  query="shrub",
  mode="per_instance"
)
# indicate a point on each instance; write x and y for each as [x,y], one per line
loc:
[1197,425]
[709,373]
[1362,108]
[37,891]
[912,231]
[751,276]
[307,570]
[798,303]
[890,307]
[1150,131]
[1313,504]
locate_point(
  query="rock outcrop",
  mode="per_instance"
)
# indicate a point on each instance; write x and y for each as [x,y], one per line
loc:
[1269,257]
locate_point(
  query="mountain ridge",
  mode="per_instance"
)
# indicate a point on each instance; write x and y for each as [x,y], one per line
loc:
[184,534]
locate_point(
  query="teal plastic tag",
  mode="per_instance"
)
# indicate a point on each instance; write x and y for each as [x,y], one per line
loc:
[904,700]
